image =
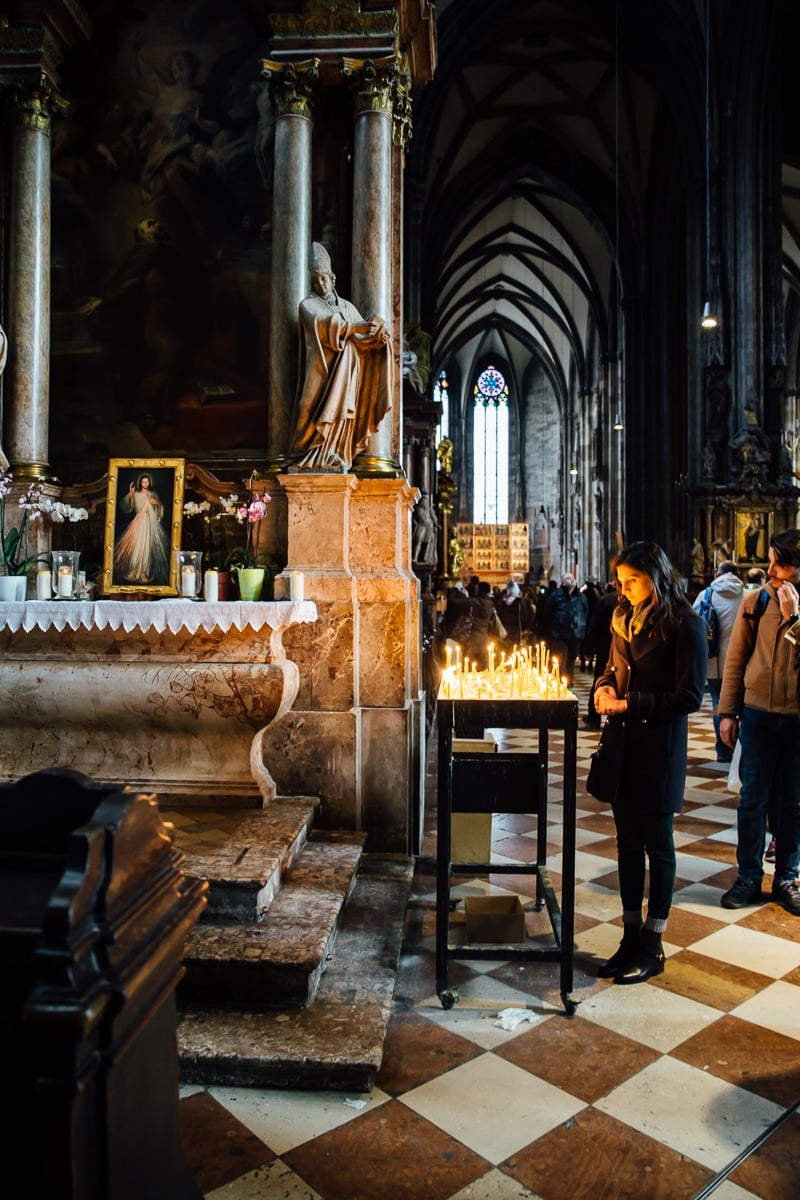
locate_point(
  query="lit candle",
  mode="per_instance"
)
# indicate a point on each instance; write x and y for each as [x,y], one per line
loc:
[65,581]
[188,580]
[43,585]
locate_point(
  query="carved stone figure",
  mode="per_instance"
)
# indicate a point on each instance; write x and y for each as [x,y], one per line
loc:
[410,370]
[709,461]
[698,560]
[419,343]
[424,530]
[346,375]
[717,401]
[751,454]
[785,472]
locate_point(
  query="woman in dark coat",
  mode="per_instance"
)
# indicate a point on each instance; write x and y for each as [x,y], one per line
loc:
[656,676]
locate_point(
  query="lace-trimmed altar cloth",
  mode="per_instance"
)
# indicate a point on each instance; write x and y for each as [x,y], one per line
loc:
[174,614]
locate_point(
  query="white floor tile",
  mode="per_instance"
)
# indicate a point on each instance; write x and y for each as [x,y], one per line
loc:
[285,1119]
[777,1007]
[650,1015]
[731,1191]
[506,1107]
[750,949]
[587,866]
[495,1186]
[599,902]
[264,1184]
[694,1112]
[703,899]
[692,866]
[715,812]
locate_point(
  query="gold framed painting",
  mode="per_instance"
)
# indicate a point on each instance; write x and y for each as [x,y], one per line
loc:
[144,512]
[753,535]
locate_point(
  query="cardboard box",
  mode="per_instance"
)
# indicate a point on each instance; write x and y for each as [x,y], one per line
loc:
[484,745]
[494,919]
[471,837]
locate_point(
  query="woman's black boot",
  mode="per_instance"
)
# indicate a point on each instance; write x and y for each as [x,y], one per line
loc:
[625,951]
[648,961]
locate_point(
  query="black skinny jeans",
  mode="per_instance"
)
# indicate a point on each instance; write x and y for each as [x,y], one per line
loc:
[641,832]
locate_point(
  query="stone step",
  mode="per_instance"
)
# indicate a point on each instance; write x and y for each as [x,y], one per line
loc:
[279,961]
[244,861]
[336,1043]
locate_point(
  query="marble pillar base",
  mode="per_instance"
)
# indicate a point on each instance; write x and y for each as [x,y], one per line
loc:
[355,736]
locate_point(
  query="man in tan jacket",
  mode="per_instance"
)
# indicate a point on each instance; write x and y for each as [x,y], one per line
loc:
[758,703]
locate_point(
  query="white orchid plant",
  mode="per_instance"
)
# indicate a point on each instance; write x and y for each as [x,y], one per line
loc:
[14,543]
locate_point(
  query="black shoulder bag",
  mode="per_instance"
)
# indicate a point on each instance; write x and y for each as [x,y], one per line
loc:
[605,769]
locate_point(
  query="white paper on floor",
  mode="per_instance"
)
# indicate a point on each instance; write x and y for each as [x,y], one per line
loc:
[510,1018]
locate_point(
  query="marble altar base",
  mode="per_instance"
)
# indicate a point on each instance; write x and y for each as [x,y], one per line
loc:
[167,696]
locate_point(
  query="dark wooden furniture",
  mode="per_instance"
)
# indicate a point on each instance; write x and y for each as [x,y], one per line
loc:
[94,917]
[506,783]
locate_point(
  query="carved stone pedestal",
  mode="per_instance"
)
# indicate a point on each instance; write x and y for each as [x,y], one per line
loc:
[355,736]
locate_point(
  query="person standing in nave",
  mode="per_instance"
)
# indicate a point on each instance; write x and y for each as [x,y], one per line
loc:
[457,618]
[563,622]
[512,613]
[482,610]
[725,595]
[655,677]
[755,578]
[758,704]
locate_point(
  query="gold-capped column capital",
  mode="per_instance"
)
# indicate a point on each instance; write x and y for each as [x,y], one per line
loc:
[35,103]
[382,85]
[292,85]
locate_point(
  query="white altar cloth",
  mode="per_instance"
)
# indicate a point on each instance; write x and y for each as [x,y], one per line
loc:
[174,614]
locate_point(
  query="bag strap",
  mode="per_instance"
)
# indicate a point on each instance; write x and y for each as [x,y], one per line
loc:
[754,614]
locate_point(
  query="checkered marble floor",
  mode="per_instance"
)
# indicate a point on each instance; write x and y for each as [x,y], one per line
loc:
[683,1087]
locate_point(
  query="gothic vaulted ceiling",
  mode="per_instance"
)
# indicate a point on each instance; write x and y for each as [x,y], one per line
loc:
[529,165]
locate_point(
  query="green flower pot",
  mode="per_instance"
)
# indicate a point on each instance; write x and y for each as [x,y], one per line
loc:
[251,581]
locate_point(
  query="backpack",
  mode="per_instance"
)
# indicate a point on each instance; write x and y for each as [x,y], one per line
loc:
[758,610]
[711,621]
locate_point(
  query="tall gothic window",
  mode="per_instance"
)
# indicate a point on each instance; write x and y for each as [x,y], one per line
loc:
[490,448]
[441,396]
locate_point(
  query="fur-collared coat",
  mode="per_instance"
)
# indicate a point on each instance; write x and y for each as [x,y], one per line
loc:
[663,678]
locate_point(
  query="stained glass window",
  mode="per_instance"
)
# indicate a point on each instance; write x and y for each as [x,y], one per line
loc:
[490,448]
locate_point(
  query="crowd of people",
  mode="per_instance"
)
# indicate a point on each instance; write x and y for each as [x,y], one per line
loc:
[557,614]
[647,647]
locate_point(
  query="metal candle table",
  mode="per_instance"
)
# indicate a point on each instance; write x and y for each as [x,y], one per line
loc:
[506,782]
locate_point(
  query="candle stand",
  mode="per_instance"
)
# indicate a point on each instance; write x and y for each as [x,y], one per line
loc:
[502,782]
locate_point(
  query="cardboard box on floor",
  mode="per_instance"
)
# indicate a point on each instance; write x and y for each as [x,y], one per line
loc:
[494,919]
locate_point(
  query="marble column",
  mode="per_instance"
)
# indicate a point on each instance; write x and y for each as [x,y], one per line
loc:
[291,88]
[28,398]
[374,83]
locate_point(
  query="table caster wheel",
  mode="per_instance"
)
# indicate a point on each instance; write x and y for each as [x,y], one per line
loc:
[448,998]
